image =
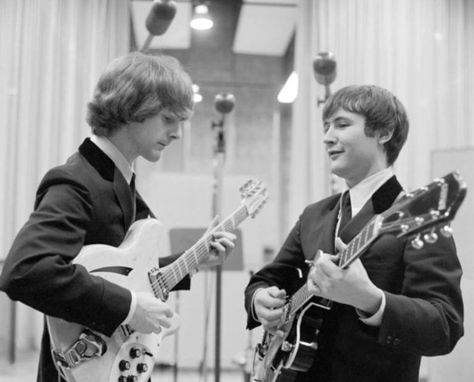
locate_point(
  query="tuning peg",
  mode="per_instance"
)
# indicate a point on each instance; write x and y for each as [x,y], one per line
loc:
[417,243]
[446,231]
[404,228]
[419,220]
[430,237]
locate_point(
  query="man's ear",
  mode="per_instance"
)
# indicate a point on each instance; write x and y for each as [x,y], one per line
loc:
[384,135]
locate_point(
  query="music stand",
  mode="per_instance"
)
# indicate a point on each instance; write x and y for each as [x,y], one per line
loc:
[180,240]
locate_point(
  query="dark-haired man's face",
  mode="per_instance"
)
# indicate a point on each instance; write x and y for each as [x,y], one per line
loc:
[353,155]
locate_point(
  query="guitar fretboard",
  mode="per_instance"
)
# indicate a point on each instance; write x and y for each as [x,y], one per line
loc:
[353,251]
[177,270]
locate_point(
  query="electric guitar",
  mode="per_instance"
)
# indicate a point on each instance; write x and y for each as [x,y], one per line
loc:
[279,357]
[82,355]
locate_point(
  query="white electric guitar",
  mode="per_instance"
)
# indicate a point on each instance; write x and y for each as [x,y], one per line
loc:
[82,355]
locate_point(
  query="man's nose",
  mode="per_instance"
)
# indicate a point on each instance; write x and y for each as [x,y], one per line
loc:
[177,132]
[328,135]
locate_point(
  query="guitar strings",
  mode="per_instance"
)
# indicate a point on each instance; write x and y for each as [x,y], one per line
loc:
[184,264]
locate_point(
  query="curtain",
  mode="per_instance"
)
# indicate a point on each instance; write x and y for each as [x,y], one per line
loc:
[53,52]
[421,50]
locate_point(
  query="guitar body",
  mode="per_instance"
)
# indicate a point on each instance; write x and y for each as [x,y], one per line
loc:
[280,357]
[127,266]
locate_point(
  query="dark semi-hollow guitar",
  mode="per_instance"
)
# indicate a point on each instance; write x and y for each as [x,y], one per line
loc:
[292,347]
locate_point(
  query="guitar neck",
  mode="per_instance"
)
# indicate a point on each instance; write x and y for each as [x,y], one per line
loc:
[190,259]
[352,252]
[359,243]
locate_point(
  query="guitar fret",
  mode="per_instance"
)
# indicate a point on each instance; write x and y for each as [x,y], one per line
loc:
[174,274]
[370,229]
[182,269]
[357,241]
[228,226]
[350,249]
[195,258]
[364,235]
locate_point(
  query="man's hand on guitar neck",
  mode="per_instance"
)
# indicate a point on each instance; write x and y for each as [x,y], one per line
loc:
[351,286]
[222,244]
[268,306]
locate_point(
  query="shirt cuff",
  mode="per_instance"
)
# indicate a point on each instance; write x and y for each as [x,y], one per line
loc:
[252,307]
[376,318]
[131,312]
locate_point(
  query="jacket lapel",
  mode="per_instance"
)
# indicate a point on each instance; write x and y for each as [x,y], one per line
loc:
[318,229]
[107,169]
[382,199]
[328,228]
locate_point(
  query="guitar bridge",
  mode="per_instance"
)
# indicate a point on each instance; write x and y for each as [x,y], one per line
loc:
[158,284]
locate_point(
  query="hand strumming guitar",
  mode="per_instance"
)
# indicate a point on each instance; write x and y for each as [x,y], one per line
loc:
[268,306]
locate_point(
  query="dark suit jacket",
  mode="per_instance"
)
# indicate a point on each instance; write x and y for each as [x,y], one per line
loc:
[85,201]
[424,309]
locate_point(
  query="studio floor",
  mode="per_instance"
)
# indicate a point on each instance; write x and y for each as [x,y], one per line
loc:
[24,370]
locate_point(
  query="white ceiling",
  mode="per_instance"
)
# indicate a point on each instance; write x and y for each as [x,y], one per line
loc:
[265,27]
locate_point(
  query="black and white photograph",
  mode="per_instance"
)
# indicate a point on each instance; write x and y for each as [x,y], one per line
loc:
[236,190]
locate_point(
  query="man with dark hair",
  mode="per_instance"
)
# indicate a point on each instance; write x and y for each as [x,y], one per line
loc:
[139,106]
[393,305]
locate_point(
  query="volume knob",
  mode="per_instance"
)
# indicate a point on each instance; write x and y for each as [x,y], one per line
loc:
[142,368]
[135,352]
[124,365]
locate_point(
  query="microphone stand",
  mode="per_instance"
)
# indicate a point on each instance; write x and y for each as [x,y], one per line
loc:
[219,160]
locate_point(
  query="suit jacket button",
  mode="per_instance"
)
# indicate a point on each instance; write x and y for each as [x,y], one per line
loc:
[388,340]
[396,342]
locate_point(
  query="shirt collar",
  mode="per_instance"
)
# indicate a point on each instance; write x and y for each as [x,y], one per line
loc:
[115,155]
[364,190]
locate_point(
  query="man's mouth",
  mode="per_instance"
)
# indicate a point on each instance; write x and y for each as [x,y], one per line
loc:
[334,153]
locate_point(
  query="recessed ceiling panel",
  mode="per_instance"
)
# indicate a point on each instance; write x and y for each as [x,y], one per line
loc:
[265,27]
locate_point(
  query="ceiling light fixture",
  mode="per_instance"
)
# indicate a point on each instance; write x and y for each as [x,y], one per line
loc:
[201,19]
[289,91]
[197,97]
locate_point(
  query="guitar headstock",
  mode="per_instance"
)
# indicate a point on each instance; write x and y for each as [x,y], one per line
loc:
[421,211]
[254,195]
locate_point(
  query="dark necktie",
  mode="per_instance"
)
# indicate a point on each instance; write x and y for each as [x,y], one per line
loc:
[133,191]
[345,210]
